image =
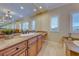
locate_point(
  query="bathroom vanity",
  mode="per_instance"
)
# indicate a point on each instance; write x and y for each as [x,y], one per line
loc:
[23,45]
[71,46]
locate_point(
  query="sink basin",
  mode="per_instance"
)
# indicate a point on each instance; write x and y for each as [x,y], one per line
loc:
[27,34]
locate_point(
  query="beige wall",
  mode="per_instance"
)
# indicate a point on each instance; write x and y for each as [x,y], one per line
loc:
[64,12]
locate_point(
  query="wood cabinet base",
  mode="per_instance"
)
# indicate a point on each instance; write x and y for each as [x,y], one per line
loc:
[30,47]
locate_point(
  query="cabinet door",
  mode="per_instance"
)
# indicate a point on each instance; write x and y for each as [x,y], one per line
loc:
[41,38]
[26,53]
[32,51]
[39,44]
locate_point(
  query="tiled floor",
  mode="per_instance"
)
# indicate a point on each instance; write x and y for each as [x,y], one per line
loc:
[52,49]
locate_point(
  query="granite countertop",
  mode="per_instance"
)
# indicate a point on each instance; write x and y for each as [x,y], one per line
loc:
[17,39]
[73,46]
[73,38]
[76,42]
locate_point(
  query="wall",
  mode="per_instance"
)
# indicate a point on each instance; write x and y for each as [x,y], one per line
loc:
[64,12]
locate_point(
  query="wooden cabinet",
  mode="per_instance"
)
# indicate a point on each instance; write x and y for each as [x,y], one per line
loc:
[20,53]
[13,49]
[32,51]
[39,44]
[26,52]
[32,47]
[42,39]
[1,54]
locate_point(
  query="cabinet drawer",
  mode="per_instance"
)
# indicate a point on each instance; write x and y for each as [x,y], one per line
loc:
[30,41]
[14,49]
[39,44]
[21,53]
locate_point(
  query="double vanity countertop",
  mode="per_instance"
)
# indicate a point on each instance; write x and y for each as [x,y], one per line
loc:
[16,39]
[72,44]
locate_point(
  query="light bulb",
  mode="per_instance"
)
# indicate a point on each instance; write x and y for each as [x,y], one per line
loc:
[40,7]
[22,7]
[10,16]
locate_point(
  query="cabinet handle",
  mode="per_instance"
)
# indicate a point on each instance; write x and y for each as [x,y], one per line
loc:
[17,48]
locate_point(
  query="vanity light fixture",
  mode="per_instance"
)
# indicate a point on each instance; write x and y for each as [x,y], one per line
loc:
[8,14]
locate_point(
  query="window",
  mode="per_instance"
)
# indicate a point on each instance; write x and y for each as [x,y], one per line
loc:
[75,22]
[12,26]
[33,25]
[25,26]
[5,27]
[54,24]
[20,26]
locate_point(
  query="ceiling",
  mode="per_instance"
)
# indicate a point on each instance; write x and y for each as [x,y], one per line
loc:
[28,9]
[21,10]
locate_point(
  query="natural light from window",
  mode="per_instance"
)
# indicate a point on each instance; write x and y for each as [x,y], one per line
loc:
[33,25]
[54,24]
[75,22]
[25,26]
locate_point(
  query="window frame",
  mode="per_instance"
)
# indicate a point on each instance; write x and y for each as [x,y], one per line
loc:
[22,24]
[71,22]
[32,25]
[57,25]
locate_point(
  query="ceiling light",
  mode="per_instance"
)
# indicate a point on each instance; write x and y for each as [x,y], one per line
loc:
[22,7]
[34,9]
[40,7]
[6,15]
[10,16]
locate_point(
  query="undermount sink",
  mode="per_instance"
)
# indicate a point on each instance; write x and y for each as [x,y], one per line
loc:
[27,34]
